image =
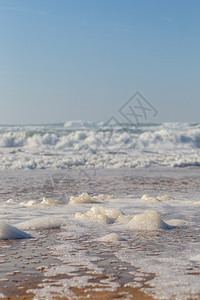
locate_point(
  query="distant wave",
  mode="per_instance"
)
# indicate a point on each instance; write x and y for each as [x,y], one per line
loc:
[79,124]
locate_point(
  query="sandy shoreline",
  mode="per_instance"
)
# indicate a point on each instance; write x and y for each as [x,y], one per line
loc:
[29,266]
[28,259]
[40,264]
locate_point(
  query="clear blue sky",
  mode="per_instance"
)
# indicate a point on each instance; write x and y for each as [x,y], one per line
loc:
[82,59]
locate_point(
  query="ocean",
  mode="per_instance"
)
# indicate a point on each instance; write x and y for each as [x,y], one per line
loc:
[97,209]
[79,144]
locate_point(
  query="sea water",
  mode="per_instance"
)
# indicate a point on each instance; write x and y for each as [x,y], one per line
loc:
[139,223]
[83,144]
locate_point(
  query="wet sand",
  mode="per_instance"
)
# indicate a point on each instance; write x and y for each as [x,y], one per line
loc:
[122,293]
[23,262]
[26,261]
[22,268]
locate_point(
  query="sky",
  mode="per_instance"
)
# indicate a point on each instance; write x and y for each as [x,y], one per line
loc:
[83,59]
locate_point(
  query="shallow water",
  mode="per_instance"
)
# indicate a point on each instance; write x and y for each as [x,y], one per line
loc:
[164,263]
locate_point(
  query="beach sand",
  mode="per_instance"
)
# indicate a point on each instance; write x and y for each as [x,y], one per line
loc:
[121,293]
[26,260]
[24,264]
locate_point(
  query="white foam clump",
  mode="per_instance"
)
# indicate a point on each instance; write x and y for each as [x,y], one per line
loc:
[178,223]
[45,202]
[165,198]
[195,202]
[124,219]
[11,201]
[149,220]
[49,202]
[83,198]
[147,197]
[109,238]
[28,203]
[8,232]
[101,214]
[196,258]
[41,223]
[2,295]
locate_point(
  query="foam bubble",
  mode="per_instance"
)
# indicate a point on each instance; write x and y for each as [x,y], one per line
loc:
[100,214]
[83,198]
[195,258]
[49,202]
[41,223]
[178,223]
[109,238]
[195,202]
[165,198]
[11,201]
[146,197]
[149,220]
[45,202]
[8,232]
[28,203]
[124,219]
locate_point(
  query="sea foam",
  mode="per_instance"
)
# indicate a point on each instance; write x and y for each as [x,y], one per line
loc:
[149,220]
[41,223]
[100,214]
[147,197]
[50,202]
[78,144]
[83,198]
[110,238]
[8,232]
[45,202]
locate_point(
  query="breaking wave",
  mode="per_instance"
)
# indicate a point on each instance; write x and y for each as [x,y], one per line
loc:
[79,143]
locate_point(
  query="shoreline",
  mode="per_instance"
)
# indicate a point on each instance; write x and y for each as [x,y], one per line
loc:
[30,258]
[101,270]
